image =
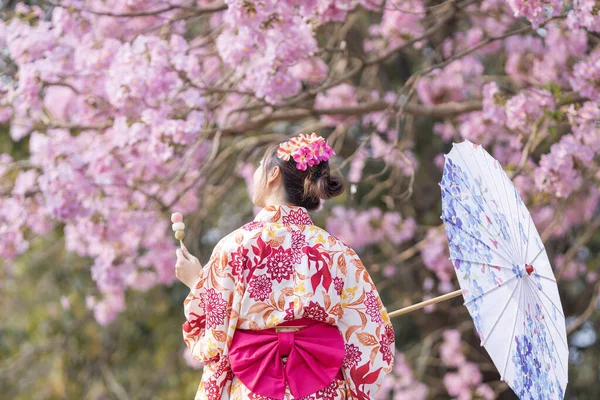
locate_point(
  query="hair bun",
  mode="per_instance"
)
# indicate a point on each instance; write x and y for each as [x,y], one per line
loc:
[324,187]
[332,187]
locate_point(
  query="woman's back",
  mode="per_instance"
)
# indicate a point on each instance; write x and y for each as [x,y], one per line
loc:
[278,269]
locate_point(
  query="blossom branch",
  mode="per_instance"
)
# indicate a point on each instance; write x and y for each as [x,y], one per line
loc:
[588,311]
[219,6]
[523,30]
[444,110]
[585,237]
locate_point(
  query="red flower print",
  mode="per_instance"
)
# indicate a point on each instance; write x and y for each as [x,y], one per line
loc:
[329,393]
[352,356]
[194,326]
[385,350]
[222,367]
[373,308]
[297,217]
[298,242]
[289,312]
[239,261]
[260,287]
[389,333]
[215,308]
[212,390]
[338,284]
[250,226]
[279,264]
[315,311]
[386,340]
[229,376]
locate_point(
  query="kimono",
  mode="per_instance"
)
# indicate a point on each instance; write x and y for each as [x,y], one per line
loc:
[277,269]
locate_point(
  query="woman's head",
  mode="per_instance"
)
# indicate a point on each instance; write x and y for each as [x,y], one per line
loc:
[277,181]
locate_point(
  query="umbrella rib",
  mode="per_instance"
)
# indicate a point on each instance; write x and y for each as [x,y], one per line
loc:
[510,245]
[519,226]
[532,292]
[545,309]
[548,279]
[531,303]
[499,315]
[489,290]
[553,324]
[484,227]
[499,266]
[513,245]
[513,332]
[527,236]
[504,177]
[546,348]
[550,300]
[482,242]
[537,255]
[481,263]
[510,222]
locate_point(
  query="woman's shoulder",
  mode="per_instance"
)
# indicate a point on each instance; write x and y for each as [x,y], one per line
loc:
[249,233]
[242,235]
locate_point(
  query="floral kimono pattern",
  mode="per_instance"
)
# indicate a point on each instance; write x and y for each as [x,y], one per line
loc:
[279,268]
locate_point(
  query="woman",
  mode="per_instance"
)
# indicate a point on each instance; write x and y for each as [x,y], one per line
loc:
[283,309]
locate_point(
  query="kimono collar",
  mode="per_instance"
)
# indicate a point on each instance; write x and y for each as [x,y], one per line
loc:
[293,215]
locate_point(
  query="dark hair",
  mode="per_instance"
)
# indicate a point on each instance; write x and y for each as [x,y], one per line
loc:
[304,188]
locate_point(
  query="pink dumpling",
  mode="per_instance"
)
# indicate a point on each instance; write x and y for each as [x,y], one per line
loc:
[176,217]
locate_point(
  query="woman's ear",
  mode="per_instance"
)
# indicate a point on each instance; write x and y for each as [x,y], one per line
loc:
[274,176]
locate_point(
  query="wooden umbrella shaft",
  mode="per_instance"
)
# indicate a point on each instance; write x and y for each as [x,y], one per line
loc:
[425,303]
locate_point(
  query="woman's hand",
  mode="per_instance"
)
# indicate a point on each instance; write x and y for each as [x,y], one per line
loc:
[187,268]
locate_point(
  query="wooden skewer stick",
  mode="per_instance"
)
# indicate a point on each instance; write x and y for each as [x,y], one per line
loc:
[425,303]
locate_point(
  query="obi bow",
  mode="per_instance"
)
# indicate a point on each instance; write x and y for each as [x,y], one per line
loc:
[315,355]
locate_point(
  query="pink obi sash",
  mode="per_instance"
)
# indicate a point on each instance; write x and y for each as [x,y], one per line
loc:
[315,355]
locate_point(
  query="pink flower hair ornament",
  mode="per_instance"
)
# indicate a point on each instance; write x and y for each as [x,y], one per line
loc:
[305,150]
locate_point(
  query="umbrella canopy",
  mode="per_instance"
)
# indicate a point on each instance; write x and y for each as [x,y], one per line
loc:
[504,274]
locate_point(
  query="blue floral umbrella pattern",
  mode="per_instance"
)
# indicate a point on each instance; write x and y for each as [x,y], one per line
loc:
[504,274]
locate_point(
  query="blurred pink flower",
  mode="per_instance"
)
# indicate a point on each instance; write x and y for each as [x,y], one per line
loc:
[190,361]
[450,351]
[64,302]
[435,254]
[339,96]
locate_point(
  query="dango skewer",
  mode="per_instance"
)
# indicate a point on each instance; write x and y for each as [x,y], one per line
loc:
[178,226]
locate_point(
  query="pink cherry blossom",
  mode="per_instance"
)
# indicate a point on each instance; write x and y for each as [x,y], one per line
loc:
[521,51]
[556,173]
[450,349]
[457,81]
[374,225]
[342,95]
[523,110]
[585,14]
[492,104]
[401,383]
[586,75]
[435,255]
[584,122]
[494,16]
[564,47]
[536,12]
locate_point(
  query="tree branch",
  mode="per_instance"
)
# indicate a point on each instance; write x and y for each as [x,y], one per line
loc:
[588,311]
[220,6]
[447,14]
[444,110]
[489,40]
[585,237]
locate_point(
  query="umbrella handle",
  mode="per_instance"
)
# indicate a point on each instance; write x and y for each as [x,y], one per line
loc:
[425,303]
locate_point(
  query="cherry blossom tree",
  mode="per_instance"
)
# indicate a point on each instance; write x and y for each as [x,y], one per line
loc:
[115,113]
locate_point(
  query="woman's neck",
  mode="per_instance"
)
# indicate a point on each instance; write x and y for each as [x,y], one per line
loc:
[276,200]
